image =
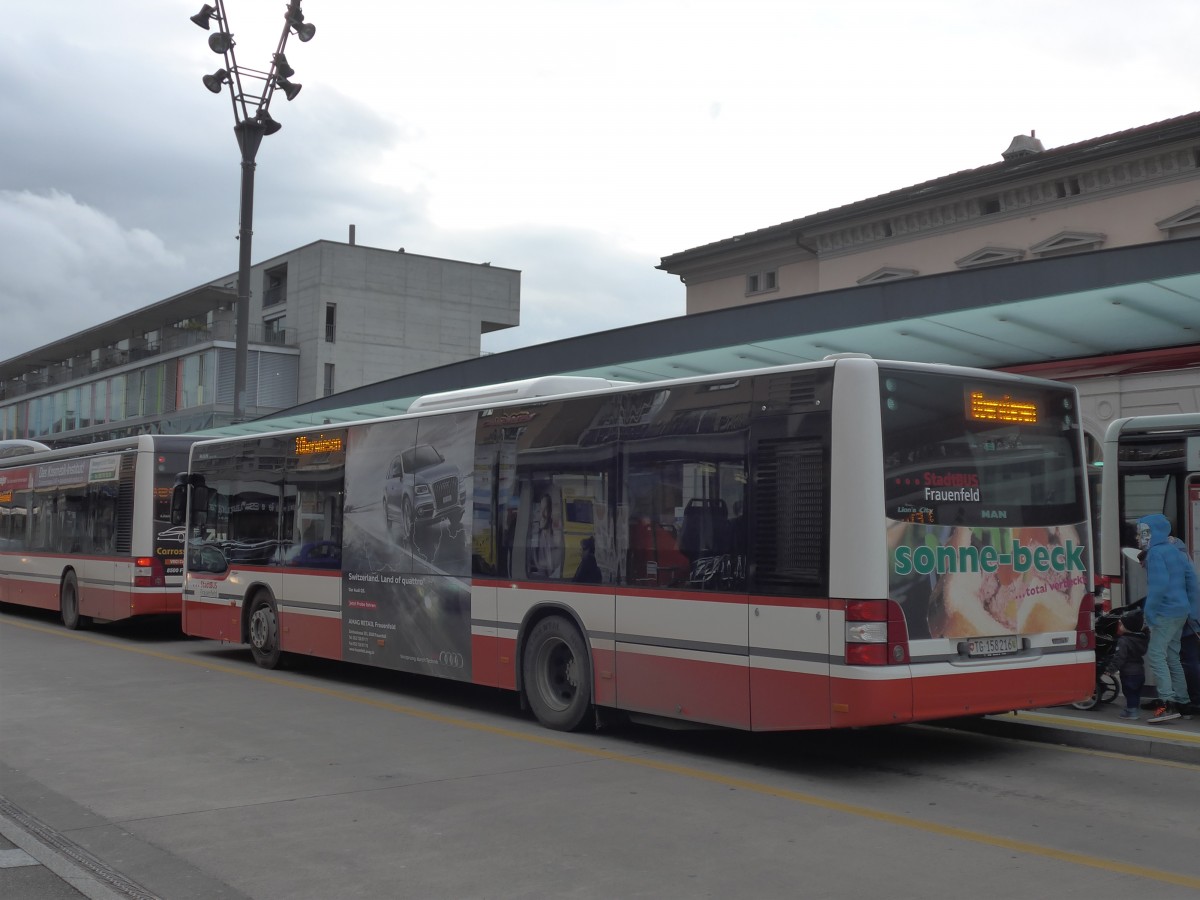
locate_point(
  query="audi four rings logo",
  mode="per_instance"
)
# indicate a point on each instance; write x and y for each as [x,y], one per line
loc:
[450,658]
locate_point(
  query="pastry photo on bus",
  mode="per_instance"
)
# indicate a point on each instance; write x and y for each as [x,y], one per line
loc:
[1024,580]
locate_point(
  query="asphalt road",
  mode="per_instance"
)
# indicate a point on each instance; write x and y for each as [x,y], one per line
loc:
[174,768]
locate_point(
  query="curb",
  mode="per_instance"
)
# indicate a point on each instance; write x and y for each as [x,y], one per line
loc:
[1158,742]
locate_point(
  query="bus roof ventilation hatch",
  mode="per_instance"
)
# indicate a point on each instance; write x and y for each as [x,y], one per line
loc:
[546,386]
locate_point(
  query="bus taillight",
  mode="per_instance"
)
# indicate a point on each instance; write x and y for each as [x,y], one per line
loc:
[1085,636]
[876,634]
[148,572]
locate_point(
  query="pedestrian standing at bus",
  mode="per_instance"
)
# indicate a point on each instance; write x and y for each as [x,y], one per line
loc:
[1172,596]
[1132,641]
[1189,649]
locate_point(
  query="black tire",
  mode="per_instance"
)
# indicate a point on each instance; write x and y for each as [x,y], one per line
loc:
[68,604]
[262,630]
[557,674]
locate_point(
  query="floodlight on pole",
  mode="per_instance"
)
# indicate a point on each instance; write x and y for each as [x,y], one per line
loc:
[206,13]
[252,122]
[290,90]
[216,80]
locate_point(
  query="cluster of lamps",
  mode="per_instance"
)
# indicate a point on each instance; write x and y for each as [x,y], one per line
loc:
[252,122]
[221,41]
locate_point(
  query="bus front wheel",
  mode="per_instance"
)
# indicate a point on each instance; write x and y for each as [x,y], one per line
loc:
[68,604]
[557,674]
[263,631]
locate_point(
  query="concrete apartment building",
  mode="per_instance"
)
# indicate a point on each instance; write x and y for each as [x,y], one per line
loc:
[323,317]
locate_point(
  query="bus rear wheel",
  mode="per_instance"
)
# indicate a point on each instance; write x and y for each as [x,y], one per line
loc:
[263,631]
[68,604]
[557,674]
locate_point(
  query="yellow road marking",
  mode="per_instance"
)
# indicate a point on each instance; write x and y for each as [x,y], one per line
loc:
[546,740]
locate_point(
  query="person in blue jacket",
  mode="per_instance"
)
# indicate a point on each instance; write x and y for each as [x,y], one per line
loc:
[1172,596]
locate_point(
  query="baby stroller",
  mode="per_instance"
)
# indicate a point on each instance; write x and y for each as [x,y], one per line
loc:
[1107,686]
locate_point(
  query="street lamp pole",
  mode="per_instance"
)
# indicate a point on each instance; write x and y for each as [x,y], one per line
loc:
[249,136]
[252,122]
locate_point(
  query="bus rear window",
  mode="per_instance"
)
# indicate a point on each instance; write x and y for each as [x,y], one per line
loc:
[977,453]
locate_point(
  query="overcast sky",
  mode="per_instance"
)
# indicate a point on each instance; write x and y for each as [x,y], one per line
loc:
[578,141]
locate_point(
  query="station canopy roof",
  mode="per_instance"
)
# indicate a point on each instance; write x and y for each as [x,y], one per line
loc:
[1091,313]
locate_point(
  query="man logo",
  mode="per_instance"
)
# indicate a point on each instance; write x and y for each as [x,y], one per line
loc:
[451,659]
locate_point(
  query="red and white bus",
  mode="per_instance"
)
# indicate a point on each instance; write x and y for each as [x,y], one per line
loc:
[841,543]
[86,530]
[1151,465]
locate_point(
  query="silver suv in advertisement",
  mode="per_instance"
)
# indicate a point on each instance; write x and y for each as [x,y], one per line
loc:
[422,489]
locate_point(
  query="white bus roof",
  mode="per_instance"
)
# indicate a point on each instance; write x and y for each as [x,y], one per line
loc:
[1144,424]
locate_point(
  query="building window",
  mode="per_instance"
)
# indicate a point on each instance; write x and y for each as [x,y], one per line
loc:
[989,206]
[330,322]
[275,287]
[761,282]
[328,379]
[191,381]
[274,331]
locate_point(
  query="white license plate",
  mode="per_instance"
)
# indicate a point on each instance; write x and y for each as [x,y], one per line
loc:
[993,646]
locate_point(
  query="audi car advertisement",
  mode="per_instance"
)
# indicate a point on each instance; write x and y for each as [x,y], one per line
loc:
[407,547]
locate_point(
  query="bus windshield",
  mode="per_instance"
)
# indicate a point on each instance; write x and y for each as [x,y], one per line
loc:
[987,515]
[970,454]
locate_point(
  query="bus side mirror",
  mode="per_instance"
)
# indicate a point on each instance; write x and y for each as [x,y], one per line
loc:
[178,503]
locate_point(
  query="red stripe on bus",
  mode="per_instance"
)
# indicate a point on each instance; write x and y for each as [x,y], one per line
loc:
[980,692]
[310,635]
[684,689]
[218,621]
[963,693]
[148,604]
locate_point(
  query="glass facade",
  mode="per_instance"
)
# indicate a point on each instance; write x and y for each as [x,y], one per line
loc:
[185,383]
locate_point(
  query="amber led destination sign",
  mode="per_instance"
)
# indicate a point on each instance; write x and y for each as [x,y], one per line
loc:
[307,446]
[983,408]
